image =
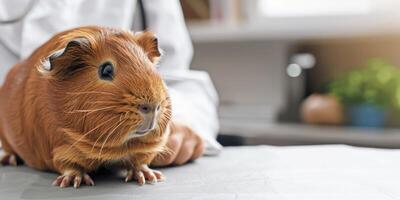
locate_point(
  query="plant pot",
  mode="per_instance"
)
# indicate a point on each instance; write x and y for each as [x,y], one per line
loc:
[367,115]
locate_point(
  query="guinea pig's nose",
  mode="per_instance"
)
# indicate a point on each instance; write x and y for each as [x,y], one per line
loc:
[145,108]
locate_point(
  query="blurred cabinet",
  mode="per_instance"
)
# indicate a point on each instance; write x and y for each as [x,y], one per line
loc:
[250,77]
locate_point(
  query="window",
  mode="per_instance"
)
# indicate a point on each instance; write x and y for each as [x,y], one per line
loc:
[312,8]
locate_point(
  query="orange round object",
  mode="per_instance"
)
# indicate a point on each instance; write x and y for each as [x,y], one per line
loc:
[322,109]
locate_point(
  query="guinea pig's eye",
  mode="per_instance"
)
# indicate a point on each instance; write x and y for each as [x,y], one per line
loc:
[106,71]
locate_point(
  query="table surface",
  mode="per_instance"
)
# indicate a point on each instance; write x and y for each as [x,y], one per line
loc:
[258,172]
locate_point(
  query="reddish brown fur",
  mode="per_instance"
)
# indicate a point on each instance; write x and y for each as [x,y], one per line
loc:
[59,121]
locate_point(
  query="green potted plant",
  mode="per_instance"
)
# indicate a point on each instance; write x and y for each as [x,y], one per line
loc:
[369,93]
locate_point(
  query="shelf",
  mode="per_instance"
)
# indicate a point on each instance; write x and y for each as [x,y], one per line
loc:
[299,134]
[294,29]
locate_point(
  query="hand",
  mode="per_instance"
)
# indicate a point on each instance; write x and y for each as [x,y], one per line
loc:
[184,144]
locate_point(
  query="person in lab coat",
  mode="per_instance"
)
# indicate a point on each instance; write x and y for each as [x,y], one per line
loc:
[26,24]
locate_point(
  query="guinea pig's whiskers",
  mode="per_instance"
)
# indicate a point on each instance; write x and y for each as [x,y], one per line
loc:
[102,146]
[90,131]
[123,116]
[126,115]
[120,134]
[101,135]
[90,110]
[120,117]
[92,92]
[94,144]
[83,118]
[104,102]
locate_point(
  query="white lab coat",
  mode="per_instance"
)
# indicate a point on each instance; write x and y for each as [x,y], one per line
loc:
[194,98]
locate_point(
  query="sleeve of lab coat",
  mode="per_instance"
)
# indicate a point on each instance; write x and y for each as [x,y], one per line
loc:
[194,99]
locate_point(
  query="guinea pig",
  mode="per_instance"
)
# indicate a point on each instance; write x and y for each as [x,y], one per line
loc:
[87,98]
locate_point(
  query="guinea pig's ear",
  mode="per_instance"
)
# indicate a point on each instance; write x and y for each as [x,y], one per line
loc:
[48,63]
[149,42]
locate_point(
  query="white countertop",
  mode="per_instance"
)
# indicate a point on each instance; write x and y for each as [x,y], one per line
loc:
[259,172]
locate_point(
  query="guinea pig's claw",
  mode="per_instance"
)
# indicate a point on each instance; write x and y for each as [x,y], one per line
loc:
[9,159]
[77,181]
[66,180]
[145,175]
[88,181]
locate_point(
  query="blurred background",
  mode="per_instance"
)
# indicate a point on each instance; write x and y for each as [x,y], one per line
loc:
[293,72]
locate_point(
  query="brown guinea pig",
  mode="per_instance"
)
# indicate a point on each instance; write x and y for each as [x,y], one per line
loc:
[88,97]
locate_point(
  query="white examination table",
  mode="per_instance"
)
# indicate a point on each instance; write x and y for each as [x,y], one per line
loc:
[261,172]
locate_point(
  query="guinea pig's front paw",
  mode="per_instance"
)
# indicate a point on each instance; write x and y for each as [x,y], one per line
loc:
[9,159]
[143,174]
[67,179]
